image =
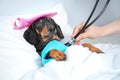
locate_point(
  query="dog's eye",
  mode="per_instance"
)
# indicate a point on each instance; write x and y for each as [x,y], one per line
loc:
[52,29]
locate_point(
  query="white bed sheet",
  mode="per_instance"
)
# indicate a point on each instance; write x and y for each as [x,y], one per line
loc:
[19,61]
[81,64]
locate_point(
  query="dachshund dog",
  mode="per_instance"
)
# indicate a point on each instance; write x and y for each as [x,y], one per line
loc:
[44,30]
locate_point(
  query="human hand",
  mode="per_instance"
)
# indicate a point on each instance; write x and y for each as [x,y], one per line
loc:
[91,32]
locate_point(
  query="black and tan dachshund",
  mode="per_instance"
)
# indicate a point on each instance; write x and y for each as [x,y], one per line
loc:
[44,30]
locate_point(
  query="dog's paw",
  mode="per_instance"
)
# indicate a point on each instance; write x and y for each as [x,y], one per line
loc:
[57,55]
[92,48]
[97,50]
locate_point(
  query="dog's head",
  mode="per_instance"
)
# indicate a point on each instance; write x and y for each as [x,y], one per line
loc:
[41,31]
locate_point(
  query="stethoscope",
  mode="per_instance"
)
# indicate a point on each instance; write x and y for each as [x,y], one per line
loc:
[87,24]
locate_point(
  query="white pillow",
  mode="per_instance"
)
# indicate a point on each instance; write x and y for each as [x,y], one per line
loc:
[17,57]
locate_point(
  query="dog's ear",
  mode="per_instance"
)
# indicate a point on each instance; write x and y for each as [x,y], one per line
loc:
[31,36]
[59,31]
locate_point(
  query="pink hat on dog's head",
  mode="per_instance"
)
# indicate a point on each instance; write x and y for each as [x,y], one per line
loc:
[21,23]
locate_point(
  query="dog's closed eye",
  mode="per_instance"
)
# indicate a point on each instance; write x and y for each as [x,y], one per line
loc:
[51,28]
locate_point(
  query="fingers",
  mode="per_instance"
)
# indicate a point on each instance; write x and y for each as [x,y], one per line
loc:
[77,29]
[90,32]
[77,42]
[82,36]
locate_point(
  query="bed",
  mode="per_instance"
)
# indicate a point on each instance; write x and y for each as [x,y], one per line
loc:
[19,61]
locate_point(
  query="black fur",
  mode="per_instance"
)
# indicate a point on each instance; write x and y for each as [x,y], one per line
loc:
[31,36]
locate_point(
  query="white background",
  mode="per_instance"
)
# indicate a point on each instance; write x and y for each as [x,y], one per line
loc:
[77,10]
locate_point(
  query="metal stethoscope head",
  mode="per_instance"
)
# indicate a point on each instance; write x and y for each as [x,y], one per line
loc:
[86,25]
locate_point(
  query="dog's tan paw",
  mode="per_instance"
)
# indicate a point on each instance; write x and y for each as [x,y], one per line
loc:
[97,50]
[92,48]
[57,55]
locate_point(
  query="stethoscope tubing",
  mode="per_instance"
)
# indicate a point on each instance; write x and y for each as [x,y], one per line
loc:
[86,25]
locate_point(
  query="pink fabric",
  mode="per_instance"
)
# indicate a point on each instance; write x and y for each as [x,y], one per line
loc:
[27,22]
